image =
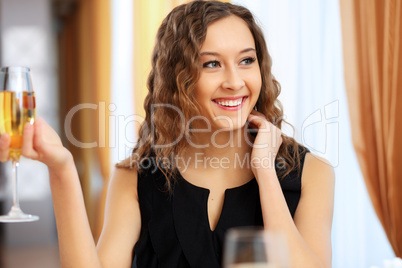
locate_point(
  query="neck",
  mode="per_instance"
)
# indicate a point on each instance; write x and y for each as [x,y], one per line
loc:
[219,145]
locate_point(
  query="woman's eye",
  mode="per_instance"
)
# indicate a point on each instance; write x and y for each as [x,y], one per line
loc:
[211,64]
[248,61]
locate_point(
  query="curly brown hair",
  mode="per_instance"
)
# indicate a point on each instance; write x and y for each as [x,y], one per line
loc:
[175,70]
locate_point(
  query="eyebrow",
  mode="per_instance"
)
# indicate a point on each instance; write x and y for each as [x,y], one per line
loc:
[217,54]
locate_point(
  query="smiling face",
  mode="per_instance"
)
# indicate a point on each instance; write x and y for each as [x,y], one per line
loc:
[230,78]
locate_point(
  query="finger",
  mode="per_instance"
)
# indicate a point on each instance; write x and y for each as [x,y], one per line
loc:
[39,140]
[258,121]
[28,142]
[264,126]
[39,119]
[256,113]
[4,145]
[263,117]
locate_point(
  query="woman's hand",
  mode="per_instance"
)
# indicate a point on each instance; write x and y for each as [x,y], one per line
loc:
[266,143]
[41,142]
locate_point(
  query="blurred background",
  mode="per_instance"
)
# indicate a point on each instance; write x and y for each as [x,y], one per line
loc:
[89,62]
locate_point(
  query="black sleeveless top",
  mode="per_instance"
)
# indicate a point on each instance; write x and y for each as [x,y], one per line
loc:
[175,229]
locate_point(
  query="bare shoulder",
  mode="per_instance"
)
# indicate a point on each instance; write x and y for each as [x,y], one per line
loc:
[124,180]
[317,170]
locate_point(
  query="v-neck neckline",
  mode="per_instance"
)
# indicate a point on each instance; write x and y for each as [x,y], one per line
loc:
[207,192]
[191,221]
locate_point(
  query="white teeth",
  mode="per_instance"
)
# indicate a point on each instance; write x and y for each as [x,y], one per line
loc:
[231,103]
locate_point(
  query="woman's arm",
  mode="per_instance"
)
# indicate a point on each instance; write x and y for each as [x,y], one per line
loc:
[122,224]
[309,234]
[313,217]
[77,247]
[76,244]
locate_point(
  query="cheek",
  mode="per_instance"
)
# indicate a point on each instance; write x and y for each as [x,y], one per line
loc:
[258,84]
[255,83]
[204,89]
[255,91]
[201,93]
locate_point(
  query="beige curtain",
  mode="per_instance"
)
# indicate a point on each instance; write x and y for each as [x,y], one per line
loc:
[84,70]
[102,70]
[148,15]
[372,42]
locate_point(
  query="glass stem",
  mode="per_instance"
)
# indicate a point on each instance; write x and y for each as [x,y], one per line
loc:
[16,201]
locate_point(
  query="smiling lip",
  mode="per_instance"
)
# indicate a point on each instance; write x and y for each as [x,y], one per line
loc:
[228,100]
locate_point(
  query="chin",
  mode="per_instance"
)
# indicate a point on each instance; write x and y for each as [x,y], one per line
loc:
[229,127]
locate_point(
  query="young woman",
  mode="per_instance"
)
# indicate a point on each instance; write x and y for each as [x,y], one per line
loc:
[215,157]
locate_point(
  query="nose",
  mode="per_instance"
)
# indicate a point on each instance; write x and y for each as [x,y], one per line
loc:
[233,79]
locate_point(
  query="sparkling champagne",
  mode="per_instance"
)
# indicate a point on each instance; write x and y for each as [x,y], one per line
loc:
[16,109]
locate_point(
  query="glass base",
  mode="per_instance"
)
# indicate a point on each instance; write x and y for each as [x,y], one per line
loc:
[16,215]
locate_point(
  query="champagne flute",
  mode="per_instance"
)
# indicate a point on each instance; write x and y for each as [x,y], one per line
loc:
[254,247]
[17,107]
